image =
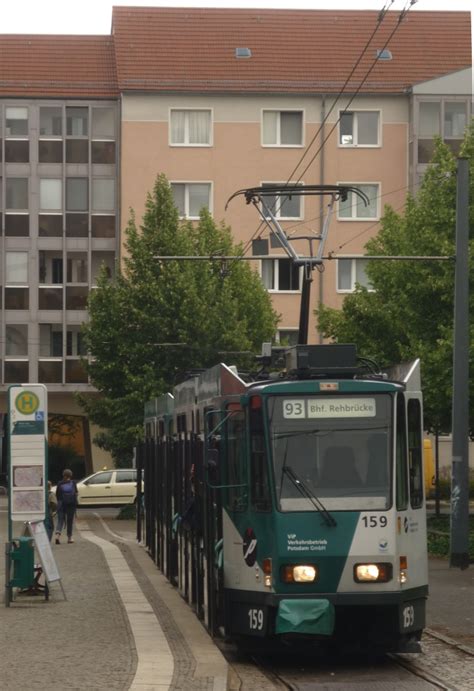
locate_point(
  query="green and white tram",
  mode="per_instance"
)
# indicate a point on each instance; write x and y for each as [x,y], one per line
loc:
[292,509]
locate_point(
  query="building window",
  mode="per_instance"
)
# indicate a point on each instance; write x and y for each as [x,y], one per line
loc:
[51,194]
[103,152]
[16,193]
[76,298]
[17,151]
[16,269]
[354,208]
[77,267]
[282,128]
[50,268]
[77,119]
[429,126]
[191,197]
[75,372]
[17,298]
[50,298]
[103,194]
[51,340]
[359,128]
[50,225]
[77,225]
[441,118]
[51,121]
[103,226]
[103,122]
[454,124]
[75,342]
[350,272]
[284,206]
[190,127]
[50,371]
[287,337]
[77,151]
[50,151]
[16,122]
[16,339]
[16,370]
[77,197]
[280,275]
[99,261]
[17,225]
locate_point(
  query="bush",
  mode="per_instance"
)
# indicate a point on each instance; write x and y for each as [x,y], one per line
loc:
[127,513]
[439,536]
[444,483]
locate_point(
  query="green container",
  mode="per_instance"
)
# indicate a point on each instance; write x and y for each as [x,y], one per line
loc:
[23,558]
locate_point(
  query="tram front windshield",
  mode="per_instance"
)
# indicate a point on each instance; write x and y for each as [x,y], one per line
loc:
[337,447]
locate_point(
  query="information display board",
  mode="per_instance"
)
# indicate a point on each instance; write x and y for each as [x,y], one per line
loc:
[28,441]
[45,553]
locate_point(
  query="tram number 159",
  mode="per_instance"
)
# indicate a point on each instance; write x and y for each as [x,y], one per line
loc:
[256,620]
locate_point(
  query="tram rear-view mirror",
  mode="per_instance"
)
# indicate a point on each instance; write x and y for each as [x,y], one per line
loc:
[212,460]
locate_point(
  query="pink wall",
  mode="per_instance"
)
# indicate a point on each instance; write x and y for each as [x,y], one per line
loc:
[237,160]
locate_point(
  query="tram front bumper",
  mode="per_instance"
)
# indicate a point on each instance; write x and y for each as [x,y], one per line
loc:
[315,617]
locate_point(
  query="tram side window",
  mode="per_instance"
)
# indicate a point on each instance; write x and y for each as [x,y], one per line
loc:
[415,453]
[259,480]
[235,462]
[401,458]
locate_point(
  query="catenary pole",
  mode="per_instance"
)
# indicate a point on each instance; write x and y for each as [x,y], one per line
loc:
[459,553]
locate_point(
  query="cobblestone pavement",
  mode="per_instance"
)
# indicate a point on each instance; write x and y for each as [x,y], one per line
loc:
[186,675]
[86,642]
[82,643]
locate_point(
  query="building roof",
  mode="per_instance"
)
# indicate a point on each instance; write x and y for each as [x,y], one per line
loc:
[57,66]
[194,50]
[296,51]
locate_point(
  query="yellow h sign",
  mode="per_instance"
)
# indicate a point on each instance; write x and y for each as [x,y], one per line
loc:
[27,403]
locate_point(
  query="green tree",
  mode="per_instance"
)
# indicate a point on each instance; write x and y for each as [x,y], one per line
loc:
[410,312]
[157,320]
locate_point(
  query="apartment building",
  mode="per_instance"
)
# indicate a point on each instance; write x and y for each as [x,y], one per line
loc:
[218,100]
[221,100]
[59,142]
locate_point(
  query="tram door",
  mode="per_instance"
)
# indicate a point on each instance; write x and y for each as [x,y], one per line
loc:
[212,523]
[410,499]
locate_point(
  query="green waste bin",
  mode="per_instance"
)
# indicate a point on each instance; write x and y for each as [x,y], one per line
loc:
[23,558]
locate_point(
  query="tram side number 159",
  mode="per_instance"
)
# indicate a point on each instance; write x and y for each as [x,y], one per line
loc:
[256,621]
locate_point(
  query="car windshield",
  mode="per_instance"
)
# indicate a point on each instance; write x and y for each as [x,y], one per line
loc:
[339,446]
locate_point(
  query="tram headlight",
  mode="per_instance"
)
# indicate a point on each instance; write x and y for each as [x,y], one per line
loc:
[372,573]
[299,573]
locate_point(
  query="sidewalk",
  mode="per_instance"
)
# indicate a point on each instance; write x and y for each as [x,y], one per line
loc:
[450,608]
[133,630]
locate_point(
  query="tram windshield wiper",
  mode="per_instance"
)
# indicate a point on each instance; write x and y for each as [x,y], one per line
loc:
[305,492]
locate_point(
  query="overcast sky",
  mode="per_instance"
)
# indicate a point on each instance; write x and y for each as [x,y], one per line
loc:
[94,16]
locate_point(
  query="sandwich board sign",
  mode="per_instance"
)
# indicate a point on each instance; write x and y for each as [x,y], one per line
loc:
[28,443]
[43,547]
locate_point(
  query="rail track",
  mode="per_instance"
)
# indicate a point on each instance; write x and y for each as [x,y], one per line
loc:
[443,664]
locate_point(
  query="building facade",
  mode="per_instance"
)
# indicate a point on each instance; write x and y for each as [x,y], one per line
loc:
[218,100]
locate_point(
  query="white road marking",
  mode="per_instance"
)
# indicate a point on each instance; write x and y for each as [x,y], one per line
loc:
[155,660]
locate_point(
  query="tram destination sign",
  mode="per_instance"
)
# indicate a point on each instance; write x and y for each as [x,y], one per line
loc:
[328,407]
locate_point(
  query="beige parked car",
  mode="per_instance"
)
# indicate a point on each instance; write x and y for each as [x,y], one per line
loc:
[108,488]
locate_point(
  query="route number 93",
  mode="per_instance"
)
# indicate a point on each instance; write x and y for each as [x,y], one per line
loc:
[256,619]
